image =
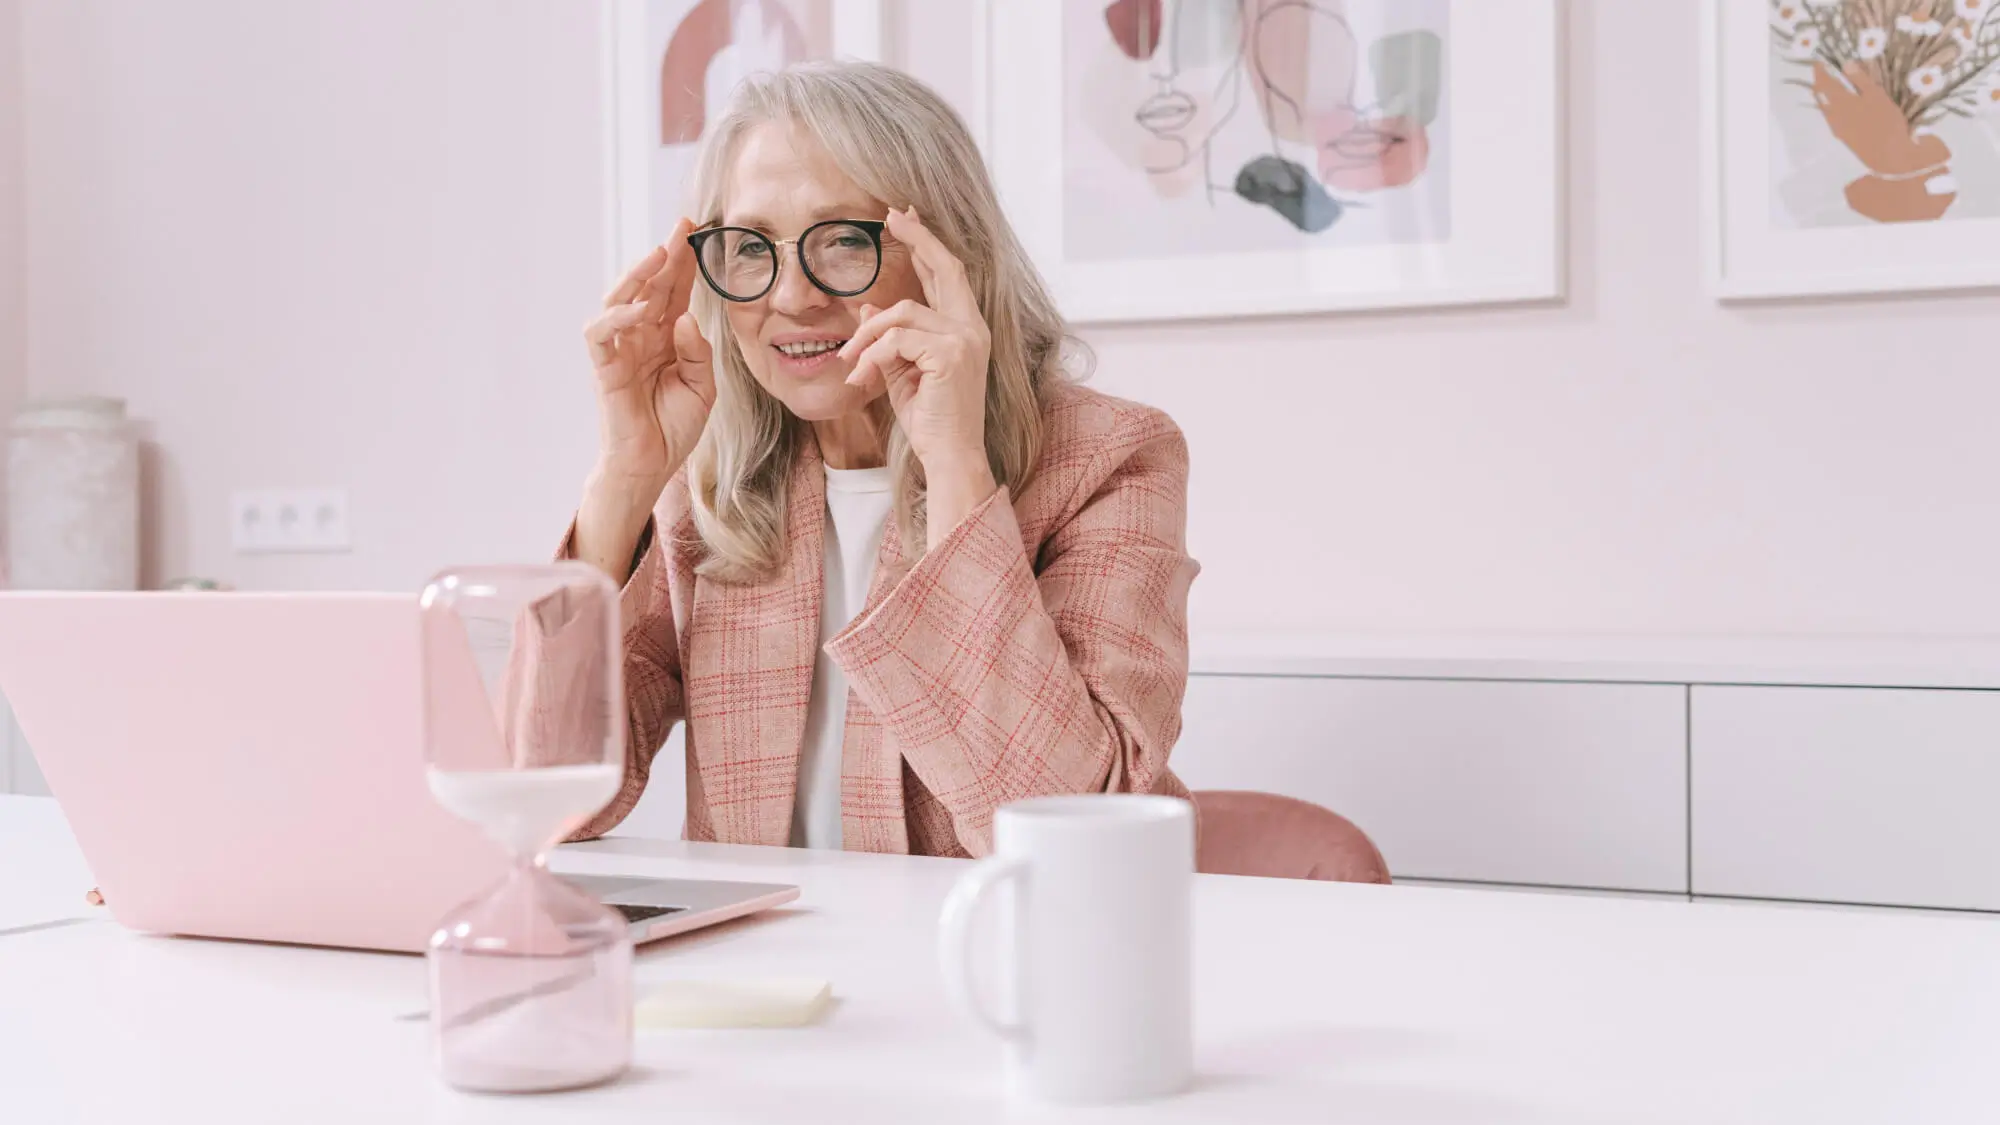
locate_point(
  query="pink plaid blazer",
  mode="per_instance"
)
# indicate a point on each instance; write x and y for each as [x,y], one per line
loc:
[1040,648]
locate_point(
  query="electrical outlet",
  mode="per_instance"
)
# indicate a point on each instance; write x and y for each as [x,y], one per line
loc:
[288,521]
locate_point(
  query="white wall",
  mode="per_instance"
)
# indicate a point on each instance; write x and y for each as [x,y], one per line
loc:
[1639,459]
[337,243]
[295,259]
[13,324]
[13,278]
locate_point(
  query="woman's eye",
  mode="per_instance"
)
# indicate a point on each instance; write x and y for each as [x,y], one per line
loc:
[850,242]
[750,250]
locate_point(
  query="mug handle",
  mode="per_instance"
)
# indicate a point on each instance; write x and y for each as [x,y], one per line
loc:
[955,940]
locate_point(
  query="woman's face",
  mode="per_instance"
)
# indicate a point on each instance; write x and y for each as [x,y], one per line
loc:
[784,182]
[1157,91]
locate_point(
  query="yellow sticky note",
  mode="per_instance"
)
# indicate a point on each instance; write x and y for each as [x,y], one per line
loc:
[776,1002]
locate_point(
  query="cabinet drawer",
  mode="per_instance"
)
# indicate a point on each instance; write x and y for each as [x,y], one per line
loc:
[1514,782]
[1847,795]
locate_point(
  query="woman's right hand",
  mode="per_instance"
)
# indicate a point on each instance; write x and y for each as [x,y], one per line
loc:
[655,372]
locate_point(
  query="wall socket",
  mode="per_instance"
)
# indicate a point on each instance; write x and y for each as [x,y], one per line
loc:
[288,521]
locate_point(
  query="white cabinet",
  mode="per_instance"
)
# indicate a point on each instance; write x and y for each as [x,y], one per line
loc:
[1847,795]
[1567,784]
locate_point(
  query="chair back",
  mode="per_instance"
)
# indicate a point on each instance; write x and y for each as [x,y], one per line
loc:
[1267,835]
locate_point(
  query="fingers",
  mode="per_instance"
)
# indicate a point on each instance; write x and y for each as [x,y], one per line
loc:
[897,349]
[628,286]
[902,314]
[672,284]
[1843,85]
[941,274]
[899,377]
[694,358]
[898,382]
[601,334]
[665,272]
[902,387]
[924,255]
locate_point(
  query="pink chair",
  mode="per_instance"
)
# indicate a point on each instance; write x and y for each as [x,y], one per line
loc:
[1277,837]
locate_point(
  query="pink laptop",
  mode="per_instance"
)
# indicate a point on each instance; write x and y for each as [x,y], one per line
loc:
[247,765]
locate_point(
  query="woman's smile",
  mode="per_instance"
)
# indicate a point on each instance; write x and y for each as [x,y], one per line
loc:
[804,355]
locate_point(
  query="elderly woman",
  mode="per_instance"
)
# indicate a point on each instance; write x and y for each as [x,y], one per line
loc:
[904,570]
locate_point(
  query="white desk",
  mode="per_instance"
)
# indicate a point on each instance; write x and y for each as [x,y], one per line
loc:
[1315,1002]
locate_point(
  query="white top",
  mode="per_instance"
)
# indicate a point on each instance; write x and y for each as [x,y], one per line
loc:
[1312,1002]
[857,510]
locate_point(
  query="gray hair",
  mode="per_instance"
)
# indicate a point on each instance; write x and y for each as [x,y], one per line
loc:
[898,141]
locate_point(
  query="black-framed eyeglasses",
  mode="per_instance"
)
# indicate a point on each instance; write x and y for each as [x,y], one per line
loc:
[841,256]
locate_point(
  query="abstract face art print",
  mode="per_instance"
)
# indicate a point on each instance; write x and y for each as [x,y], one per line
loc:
[1199,127]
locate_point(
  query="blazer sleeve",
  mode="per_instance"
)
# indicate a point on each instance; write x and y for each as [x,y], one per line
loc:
[655,698]
[999,679]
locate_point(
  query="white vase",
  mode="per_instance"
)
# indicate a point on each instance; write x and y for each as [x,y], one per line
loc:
[73,497]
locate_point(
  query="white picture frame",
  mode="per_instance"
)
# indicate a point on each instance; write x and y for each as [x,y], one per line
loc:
[1502,87]
[634,35]
[1766,232]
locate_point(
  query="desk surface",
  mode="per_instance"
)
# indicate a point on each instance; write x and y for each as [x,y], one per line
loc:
[1315,1002]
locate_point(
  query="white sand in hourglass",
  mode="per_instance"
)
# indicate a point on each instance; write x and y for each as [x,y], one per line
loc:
[526,810]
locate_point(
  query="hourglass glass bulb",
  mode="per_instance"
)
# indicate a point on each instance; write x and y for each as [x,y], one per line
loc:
[531,984]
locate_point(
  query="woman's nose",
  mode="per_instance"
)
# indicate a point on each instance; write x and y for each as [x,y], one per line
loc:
[794,291]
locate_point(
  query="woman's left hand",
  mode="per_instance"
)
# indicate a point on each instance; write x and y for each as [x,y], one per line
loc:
[932,359]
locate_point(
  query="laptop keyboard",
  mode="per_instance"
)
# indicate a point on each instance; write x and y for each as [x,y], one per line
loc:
[644,913]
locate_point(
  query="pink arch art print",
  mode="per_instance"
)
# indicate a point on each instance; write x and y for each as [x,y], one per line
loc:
[680,61]
[759,31]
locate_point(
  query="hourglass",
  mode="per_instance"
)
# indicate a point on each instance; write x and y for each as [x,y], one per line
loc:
[524,716]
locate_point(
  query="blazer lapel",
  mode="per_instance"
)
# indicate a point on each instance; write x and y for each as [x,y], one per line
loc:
[749,669]
[871,768]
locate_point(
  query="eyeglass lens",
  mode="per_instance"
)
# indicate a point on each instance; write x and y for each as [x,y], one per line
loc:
[839,257]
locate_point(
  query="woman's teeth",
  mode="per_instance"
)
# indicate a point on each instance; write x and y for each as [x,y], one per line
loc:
[807,351]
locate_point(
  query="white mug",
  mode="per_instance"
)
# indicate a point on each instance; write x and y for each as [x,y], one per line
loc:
[1097,945]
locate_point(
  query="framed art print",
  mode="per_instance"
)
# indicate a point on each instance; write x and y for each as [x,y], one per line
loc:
[1851,146]
[1197,158]
[670,67]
